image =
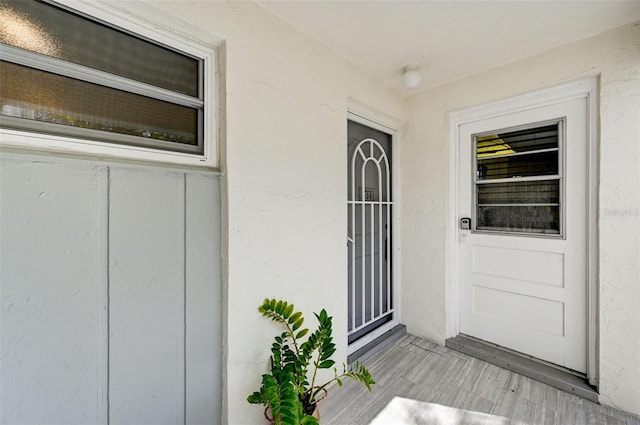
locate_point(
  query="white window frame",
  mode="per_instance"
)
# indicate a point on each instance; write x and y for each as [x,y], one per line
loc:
[559,177]
[159,28]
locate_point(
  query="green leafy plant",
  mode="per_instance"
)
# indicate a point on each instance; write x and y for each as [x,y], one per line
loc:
[291,390]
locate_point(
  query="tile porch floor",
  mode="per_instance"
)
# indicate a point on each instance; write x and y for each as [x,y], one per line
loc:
[421,383]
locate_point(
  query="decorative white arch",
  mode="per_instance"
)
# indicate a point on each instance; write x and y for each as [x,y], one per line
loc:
[374,300]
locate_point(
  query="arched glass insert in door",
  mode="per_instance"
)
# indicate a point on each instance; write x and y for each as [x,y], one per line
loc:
[369,230]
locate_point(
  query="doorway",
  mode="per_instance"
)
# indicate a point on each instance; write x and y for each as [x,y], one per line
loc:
[369,237]
[524,227]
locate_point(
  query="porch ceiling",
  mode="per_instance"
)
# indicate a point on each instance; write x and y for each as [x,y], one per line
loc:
[449,40]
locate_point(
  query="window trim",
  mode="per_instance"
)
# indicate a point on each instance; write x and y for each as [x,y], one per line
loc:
[560,122]
[157,27]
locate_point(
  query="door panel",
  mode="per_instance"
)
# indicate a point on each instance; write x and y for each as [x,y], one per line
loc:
[369,210]
[523,262]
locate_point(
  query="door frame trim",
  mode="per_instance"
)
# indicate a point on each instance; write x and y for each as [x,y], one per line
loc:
[353,115]
[582,89]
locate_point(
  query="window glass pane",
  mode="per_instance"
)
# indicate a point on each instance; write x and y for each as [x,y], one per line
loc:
[542,192]
[520,141]
[40,96]
[526,219]
[527,198]
[43,28]
[536,164]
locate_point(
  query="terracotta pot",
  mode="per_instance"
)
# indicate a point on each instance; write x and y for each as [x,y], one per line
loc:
[315,414]
[267,412]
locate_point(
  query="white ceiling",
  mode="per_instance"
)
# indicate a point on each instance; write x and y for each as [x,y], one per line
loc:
[449,40]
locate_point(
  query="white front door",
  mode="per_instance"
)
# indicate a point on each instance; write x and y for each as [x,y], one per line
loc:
[523,260]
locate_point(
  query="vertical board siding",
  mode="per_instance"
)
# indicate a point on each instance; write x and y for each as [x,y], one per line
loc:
[146,296]
[111,292]
[203,301]
[49,222]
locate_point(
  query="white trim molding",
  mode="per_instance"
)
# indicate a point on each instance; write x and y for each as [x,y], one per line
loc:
[353,114]
[583,89]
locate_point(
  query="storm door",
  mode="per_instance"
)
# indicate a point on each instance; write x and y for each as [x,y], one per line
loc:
[369,231]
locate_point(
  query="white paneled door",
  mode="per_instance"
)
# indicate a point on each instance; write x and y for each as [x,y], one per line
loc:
[522,231]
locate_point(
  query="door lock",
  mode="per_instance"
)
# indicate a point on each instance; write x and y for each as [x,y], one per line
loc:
[465,223]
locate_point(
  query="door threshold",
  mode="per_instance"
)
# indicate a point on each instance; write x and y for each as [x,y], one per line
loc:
[554,376]
[377,344]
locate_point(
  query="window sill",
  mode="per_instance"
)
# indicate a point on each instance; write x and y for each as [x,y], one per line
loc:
[17,139]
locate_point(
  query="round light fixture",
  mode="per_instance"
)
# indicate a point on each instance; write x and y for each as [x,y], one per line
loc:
[412,77]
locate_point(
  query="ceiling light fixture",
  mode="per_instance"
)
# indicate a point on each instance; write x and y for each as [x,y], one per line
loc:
[412,77]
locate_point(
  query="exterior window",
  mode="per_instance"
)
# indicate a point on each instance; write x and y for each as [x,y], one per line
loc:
[518,180]
[66,74]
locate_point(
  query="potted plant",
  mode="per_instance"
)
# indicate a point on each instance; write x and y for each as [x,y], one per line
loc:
[290,392]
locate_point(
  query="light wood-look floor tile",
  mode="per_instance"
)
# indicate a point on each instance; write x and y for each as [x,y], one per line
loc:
[422,383]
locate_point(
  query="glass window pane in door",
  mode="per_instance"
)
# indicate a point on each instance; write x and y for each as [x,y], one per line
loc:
[537,164]
[536,192]
[519,218]
[518,180]
[518,141]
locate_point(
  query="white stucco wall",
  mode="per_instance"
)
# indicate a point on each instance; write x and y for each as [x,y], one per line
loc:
[615,58]
[287,98]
